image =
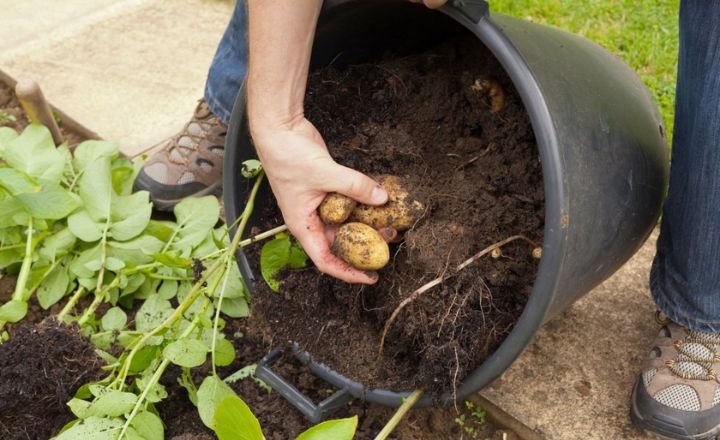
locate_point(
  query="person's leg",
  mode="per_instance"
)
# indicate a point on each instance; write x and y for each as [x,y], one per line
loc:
[190,164]
[678,394]
[229,65]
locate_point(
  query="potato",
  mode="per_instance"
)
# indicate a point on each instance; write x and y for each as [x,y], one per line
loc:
[361,246]
[400,212]
[336,208]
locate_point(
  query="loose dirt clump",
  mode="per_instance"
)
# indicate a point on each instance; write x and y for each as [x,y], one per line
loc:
[41,368]
[475,166]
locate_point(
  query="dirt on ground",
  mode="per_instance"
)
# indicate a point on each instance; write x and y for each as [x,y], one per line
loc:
[435,119]
[13,116]
[41,368]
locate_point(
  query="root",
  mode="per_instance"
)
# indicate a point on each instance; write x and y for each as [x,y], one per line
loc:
[444,276]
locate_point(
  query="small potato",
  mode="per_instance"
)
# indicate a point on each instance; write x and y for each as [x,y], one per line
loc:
[361,246]
[336,208]
[400,212]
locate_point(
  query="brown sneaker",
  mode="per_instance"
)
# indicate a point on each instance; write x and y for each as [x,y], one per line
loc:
[190,164]
[678,393]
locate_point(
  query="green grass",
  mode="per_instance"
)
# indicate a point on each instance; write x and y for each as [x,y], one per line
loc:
[644,33]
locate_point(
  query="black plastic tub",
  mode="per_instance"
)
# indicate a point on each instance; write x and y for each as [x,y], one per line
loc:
[602,148]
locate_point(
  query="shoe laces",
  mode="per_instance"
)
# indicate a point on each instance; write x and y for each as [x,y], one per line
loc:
[195,131]
[697,354]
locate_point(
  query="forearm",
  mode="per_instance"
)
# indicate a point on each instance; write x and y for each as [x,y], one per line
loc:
[281,34]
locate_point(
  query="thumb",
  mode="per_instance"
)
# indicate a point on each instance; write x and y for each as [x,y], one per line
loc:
[357,186]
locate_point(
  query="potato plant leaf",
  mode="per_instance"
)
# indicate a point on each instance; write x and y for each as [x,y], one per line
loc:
[114,319]
[93,428]
[195,218]
[235,421]
[212,391]
[113,403]
[277,254]
[13,311]
[53,288]
[34,152]
[186,352]
[148,426]
[340,429]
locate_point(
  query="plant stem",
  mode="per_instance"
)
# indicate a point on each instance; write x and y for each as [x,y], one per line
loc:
[71,302]
[161,369]
[19,294]
[99,297]
[263,235]
[408,403]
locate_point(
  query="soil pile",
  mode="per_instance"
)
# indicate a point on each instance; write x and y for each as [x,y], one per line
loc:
[41,368]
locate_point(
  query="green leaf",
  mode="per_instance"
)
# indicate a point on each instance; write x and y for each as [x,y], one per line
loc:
[235,421]
[79,264]
[84,227]
[89,151]
[156,393]
[172,260]
[224,352]
[95,189]
[195,218]
[13,311]
[234,287]
[298,257]
[7,135]
[113,403]
[250,168]
[13,213]
[17,182]
[52,202]
[186,352]
[274,256]
[236,307]
[212,391]
[130,215]
[34,152]
[93,428]
[152,313]
[168,289]
[58,244]
[144,358]
[148,426]
[162,230]
[114,319]
[124,172]
[54,287]
[136,251]
[79,407]
[340,429]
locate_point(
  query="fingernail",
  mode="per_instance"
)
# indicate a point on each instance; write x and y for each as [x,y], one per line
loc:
[378,196]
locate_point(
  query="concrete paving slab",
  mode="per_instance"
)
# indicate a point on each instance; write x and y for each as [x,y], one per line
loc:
[133,73]
[575,381]
[26,21]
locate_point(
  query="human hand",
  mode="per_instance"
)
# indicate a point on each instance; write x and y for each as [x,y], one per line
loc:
[301,172]
[432,4]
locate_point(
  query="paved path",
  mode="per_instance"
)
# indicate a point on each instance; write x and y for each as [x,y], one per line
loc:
[132,70]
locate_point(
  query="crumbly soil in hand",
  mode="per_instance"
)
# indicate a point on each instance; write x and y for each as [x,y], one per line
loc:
[424,117]
[41,368]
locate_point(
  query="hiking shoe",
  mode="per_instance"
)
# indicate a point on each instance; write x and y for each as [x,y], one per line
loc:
[190,164]
[678,394]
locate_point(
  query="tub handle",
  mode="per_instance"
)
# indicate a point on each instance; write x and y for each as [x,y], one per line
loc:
[314,413]
[475,10]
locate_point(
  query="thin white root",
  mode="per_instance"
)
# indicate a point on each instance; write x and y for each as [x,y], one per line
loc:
[429,285]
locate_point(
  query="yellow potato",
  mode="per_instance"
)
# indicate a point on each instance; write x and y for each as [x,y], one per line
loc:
[400,212]
[361,246]
[336,208]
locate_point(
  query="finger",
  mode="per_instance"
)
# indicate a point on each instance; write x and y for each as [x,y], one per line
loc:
[313,240]
[434,4]
[330,231]
[355,185]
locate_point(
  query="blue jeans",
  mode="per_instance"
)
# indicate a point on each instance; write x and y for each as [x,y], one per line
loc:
[685,276]
[229,66]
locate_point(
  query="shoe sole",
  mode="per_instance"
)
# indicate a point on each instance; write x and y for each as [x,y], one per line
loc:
[657,432]
[168,204]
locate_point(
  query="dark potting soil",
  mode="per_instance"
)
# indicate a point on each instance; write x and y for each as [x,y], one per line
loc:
[41,368]
[427,117]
